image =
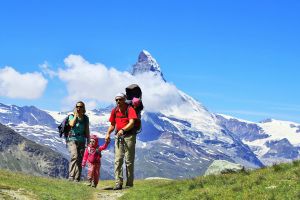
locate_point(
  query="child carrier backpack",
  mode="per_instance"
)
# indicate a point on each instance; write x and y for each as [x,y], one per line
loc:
[134,91]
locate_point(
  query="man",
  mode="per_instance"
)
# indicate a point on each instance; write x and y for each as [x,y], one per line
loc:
[122,119]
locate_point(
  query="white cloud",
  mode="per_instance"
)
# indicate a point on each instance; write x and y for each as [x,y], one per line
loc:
[23,86]
[95,83]
[157,94]
[45,67]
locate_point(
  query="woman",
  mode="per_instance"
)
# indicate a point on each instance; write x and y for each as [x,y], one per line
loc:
[76,141]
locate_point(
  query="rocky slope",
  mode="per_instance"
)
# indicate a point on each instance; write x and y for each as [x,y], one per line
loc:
[20,154]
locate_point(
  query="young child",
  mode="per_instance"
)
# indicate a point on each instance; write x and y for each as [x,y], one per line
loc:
[135,104]
[92,156]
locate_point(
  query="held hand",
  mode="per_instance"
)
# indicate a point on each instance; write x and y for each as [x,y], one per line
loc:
[107,138]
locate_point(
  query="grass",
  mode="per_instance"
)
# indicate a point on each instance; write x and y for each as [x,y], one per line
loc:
[34,187]
[281,181]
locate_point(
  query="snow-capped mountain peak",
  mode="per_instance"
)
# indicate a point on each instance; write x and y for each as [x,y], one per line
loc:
[271,140]
[146,63]
[181,137]
[282,129]
[146,56]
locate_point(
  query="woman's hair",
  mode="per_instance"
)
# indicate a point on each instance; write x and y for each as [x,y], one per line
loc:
[83,109]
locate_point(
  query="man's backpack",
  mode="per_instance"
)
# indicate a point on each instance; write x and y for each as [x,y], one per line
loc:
[64,128]
[134,91]
[137,123]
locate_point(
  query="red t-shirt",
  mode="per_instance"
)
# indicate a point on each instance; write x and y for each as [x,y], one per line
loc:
[120,118]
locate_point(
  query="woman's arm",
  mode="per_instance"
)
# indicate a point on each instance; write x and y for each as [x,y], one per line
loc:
[72,122]
[85,157]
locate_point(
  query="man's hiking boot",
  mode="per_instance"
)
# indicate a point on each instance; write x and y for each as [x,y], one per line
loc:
[118,187]
[129,185]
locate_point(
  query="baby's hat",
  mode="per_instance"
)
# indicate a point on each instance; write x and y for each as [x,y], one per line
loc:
[136,101]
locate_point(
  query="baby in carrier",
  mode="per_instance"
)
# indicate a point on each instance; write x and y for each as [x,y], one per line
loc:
[92,157]
[136,103]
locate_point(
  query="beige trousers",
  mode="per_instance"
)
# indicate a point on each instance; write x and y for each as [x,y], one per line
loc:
[125,149]
[76,151]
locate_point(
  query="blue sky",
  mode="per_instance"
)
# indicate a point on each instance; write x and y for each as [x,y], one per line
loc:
[239,58]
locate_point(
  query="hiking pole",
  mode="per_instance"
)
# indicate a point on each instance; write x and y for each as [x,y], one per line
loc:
[120,140]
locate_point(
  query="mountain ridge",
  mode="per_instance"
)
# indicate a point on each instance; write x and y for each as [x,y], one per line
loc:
[180,141]
[20,154]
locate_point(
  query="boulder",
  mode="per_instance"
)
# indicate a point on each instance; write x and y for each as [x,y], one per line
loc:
[222,167]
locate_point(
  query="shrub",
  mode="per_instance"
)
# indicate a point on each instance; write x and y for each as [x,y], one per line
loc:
[278,167]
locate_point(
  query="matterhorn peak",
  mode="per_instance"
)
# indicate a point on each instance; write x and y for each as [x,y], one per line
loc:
[146,63]
[146,56]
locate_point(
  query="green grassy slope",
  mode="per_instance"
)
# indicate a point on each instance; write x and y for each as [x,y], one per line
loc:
[277,182]
[34,187]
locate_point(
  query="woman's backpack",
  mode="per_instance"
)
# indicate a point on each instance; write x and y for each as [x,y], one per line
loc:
[64,128]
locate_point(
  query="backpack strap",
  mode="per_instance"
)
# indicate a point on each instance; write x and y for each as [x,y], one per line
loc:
[134,128]
[123,116]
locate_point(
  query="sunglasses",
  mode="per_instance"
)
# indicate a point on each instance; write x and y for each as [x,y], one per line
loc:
[118,100]
[79,106]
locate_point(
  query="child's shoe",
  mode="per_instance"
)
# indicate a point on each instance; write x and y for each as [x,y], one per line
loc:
[89,183]
[93,185]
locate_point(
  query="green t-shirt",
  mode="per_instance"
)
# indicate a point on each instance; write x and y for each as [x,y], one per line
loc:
[78,130]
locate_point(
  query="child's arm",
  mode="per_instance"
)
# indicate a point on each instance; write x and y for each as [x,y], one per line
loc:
[104,146]
[85,157]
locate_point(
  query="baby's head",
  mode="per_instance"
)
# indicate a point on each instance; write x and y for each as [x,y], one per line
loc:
[136,102]
[93,141]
